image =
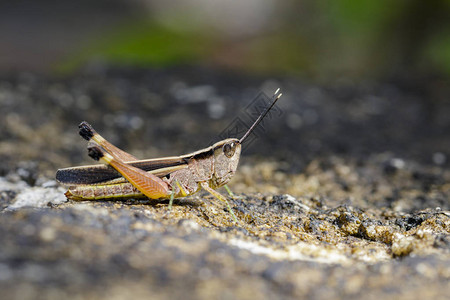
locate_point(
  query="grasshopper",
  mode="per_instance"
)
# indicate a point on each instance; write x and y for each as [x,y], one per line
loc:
[124,176]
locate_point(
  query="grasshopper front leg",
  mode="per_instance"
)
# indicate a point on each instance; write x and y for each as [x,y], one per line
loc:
[216,194]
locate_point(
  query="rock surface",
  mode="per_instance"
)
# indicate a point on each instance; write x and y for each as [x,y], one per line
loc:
[346,195]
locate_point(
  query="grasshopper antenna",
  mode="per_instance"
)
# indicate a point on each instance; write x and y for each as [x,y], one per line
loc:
[275,96]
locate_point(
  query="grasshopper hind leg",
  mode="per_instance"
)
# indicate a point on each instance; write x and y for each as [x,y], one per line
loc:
[147,183]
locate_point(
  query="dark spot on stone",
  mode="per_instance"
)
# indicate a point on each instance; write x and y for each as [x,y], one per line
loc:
[410,222]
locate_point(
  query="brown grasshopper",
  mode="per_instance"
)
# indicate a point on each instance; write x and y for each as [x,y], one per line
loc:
[124,176]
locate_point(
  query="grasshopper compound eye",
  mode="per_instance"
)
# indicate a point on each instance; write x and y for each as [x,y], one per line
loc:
[229,149]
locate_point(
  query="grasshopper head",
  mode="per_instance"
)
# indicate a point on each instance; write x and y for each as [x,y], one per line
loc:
[227,152]
[226,159]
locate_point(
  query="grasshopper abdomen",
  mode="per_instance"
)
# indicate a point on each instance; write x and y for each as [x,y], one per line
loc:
[96,192]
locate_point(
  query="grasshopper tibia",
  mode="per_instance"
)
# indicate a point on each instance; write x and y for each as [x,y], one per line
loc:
[86,130]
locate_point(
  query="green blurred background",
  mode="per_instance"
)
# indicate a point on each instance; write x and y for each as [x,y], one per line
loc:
[316,39]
